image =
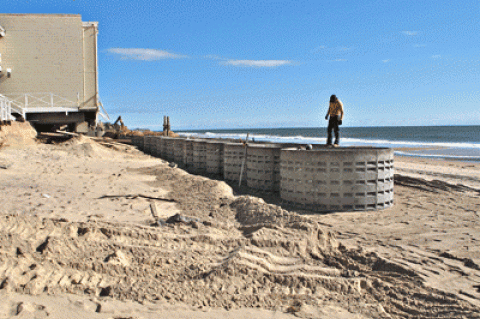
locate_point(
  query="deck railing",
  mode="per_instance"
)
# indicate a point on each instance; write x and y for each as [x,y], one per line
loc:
[24,103]
[5,109]
[34,100]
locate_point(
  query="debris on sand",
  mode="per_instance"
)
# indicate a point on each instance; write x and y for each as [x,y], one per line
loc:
[177,218]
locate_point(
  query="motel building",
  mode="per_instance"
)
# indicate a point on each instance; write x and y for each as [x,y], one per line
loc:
[49,71]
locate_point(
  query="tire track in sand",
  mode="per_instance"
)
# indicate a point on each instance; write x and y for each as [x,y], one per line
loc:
[268,265]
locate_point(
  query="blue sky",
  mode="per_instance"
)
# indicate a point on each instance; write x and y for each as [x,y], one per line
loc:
[253,64]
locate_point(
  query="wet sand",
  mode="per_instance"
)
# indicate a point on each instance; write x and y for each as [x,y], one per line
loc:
[88,231]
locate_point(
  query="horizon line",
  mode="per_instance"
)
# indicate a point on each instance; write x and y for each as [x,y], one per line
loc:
[303,127]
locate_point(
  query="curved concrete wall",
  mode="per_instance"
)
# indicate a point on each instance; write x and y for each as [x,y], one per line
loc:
[214,157]
[263,167]
[159,142]
[233,154]
[155,148]
[138,141]
[323,179]
[199,164]
[179,151]
[189,153]
[337,179]
[170,149]
[148,144]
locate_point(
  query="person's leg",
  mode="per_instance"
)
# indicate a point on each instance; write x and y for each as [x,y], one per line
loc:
[337,132]
[329,132]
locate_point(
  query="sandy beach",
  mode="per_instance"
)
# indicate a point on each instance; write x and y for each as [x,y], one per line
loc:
[90,231]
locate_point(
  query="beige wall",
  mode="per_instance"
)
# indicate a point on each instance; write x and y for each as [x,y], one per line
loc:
[90,64]
[47,54]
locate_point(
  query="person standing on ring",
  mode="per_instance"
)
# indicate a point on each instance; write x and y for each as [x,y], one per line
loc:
[335,111]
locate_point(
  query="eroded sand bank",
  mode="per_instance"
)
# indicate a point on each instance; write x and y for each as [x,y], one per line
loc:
[78,239]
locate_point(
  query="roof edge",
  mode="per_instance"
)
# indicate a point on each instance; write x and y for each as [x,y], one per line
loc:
[87,24]
[42,14]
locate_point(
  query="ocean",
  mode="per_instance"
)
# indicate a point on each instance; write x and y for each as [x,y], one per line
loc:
[443,142]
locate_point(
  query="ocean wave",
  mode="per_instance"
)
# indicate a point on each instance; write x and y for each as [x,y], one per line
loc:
[443,156]
[417,144]
[346,141]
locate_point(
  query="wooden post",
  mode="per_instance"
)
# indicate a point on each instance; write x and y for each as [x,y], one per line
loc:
[164,124]
[244,161]
[168,125]
[154,209]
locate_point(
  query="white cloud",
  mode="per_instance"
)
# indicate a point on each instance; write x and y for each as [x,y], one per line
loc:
[144,54]
[257,63]
[213,57]
[436,56]
[331,50]
[410,33]
[419,45]
[338,60]
[385,61]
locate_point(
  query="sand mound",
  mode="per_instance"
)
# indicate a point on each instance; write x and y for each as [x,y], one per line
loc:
[81,146]
[274,222]
[17,134]
[195,195]
[80,139]
[254,211]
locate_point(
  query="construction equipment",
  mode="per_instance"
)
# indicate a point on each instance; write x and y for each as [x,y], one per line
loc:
[116,129]
[119,120]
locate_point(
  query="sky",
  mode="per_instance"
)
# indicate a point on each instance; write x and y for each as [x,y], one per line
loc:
[274,64]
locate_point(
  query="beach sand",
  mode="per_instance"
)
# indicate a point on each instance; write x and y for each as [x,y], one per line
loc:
[89,231]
